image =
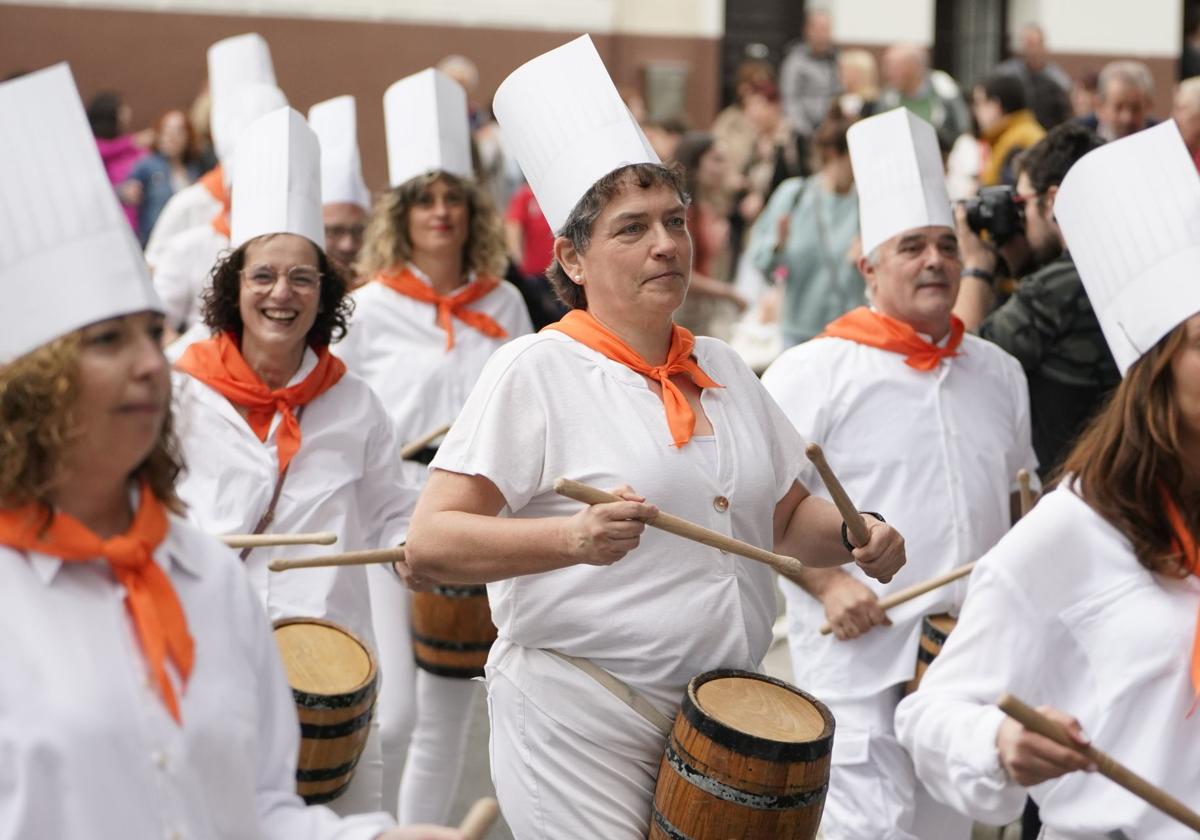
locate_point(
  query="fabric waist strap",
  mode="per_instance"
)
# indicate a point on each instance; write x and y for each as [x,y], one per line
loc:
[621,691]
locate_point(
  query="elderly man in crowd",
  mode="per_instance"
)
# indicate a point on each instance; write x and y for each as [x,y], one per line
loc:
[1047,86]
[1186,114]
[930,94]
[1125,90]
[808,76]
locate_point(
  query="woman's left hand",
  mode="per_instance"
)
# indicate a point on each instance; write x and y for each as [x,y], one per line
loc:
[883,555]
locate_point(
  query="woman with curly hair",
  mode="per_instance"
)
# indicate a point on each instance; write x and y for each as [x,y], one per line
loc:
[143,694]
[277,434]
[1088,608]
[423,328]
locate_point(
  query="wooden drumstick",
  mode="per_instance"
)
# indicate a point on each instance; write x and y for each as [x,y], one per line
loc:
[854,521]
[1025,491]
[916,590]
[413,447]
[480,818]
[589,495]
[350,558]
[1035,721]
[260,540]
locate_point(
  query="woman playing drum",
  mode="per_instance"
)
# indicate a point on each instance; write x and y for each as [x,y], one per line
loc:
[588,605]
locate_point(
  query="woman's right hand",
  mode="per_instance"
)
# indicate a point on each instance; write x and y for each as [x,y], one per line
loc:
[1030,759]
[600,535]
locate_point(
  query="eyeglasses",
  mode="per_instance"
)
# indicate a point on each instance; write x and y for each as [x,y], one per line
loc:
[301,278]
[339,231]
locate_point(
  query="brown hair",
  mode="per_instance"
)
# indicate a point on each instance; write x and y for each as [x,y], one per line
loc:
[578,226]
[220,300]
[386,243]
[38,422]
[1130,454]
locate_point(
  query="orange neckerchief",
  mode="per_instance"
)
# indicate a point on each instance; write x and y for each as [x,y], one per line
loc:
[874,329]
[1185,544]
[158,617]
[218,363]
[681,420]
[214,182]
[448,306]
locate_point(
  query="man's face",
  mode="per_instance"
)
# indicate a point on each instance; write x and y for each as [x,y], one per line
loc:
[915,278]
[818,33]
[344,226]
[1187,116]
[1122,110]
[1041,231]
[987,111]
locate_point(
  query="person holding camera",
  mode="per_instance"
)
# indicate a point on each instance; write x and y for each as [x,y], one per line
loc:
[1047,322]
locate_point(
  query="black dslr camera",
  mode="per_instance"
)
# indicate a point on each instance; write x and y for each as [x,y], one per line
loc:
[997,212]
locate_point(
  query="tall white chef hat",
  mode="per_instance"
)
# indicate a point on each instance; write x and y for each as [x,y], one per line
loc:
[277,180]
[425,116]
[242,107]
[233,63]
[1130,213]
[68,257]
[899,176]
[567,126]
[335,122]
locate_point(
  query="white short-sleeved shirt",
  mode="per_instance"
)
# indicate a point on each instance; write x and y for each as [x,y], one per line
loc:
[345,478]
[87,747]
[935,452]
[1061,613]
[189,208]
[396,345]
[183,270]
[545,407]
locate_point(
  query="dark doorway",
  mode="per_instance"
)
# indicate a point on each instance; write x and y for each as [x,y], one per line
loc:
[757,29]
[969,39]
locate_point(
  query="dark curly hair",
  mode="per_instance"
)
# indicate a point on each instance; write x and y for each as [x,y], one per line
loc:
[1047,161]
[578,226]
[220,299]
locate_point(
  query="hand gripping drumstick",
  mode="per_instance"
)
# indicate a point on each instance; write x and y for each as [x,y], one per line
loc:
[412,448]
[854,521]
[916,590]
[480,818]
[1035,721]
[260,540]
[1025,491]
[350,558]
[789,566]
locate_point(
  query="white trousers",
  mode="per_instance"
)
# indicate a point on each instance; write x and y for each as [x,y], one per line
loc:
[395,708]
[438,749]
[555,782]
[874,793]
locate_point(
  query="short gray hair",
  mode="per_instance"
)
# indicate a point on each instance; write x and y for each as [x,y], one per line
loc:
[1133,73]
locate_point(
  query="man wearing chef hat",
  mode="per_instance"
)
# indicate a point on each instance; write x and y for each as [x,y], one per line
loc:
[921,423]
[346,199]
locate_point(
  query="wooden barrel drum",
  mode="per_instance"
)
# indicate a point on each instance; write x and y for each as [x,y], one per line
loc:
[934,631]
[452,630]
[748,757]
[333,678]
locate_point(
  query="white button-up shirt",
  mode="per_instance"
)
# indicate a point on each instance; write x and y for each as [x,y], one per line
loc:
[345,478]
[1061,613]
[183,269]
[935,452]
[395,343]
[87,747]
[547,406]
[191,207]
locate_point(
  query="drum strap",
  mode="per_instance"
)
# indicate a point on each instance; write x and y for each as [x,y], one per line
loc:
[267,518]
[621,691]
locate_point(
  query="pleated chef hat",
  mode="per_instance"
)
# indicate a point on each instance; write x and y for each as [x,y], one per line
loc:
[567,126]
[425,117]
[68,257]
[335,122]
[232,64]
[899,176]
[277,180]
[1130,213]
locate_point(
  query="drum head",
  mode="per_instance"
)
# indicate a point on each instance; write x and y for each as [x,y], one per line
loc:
[760,708]
[321,658]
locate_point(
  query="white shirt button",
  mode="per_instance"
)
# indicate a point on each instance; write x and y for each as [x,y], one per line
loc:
[160,760]
[721,504]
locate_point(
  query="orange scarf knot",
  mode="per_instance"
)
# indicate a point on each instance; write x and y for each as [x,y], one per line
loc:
[214,182]
[681,419]
[218,363]
[874,329]
[450,306]
[158,618]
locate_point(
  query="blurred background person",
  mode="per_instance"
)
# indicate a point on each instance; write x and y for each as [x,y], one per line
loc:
[110,119]
[1125,91]
[732,127]
[530,244]
[1047,86]
[173,164]
[1186,114]
[345,199]
[1006,126]
[808,75]
[930,94]
[859,76]
[1084,95]
[805,239]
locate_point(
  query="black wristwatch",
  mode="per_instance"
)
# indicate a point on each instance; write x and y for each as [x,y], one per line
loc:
[846,531]
[983,274]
